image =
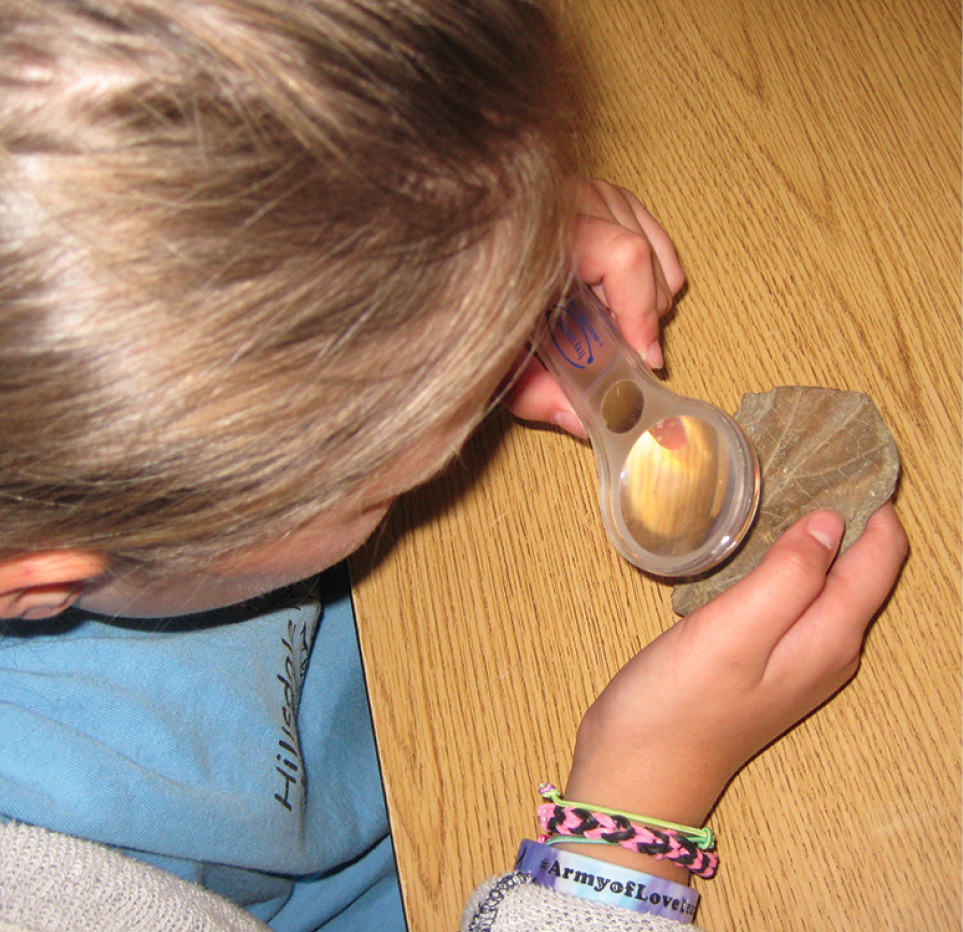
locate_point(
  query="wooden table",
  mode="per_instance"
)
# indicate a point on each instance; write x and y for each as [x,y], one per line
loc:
[805,157]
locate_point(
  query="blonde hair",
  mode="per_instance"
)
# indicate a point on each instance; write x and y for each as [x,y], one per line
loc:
[252,250]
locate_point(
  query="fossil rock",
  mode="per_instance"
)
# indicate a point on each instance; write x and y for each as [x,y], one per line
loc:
[818,448]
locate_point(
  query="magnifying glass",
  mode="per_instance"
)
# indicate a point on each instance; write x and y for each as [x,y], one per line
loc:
[679,480]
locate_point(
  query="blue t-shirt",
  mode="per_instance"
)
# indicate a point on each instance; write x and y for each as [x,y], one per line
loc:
[232,748]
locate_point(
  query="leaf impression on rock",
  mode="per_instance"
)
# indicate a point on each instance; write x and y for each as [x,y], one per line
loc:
[817,448]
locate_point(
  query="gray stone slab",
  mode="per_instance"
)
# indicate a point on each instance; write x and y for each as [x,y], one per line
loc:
[818,448]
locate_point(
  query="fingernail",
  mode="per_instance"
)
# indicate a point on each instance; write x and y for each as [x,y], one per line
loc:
[654,356]
[827,528]
[568,421]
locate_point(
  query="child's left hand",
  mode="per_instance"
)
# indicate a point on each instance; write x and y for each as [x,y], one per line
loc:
[690,709]
[622,252]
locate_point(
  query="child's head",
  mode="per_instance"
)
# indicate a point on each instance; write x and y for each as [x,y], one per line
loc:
[252,252]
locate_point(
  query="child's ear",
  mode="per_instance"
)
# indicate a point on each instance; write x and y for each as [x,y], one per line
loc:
[43,584]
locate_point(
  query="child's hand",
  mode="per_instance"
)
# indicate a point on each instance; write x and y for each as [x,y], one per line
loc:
[630,262]
[681,717]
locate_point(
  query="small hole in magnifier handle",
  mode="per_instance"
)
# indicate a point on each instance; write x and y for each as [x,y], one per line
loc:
[622,406]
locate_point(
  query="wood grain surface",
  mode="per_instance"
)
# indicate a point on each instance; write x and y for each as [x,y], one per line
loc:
[805,157]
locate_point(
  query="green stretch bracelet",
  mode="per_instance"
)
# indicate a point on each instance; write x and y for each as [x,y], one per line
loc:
[704,838]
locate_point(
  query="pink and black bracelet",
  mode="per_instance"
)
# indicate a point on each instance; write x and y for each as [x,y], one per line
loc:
[684,846]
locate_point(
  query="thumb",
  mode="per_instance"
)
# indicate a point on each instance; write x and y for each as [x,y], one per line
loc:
[769,600]
[535,395]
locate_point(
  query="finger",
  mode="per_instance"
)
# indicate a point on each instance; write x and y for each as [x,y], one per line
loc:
[623,264]
[865,574]
[536,396]
[631,213]
[665,250]
[827,640]
[754,615]
[609,202]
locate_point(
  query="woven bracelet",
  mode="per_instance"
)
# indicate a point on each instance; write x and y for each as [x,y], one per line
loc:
[680,844]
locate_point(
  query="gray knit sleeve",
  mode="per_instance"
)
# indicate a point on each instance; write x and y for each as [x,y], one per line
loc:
[56,883]
[512,903]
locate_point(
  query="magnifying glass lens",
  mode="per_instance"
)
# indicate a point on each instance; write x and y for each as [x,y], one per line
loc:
[673,485]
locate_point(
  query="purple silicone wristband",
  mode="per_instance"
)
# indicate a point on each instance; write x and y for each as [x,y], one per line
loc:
[611,884]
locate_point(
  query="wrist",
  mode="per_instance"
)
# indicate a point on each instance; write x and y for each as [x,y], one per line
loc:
[665,779]
[642,791]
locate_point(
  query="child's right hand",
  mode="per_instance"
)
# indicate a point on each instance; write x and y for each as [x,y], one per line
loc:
[624,255]
[681,717]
